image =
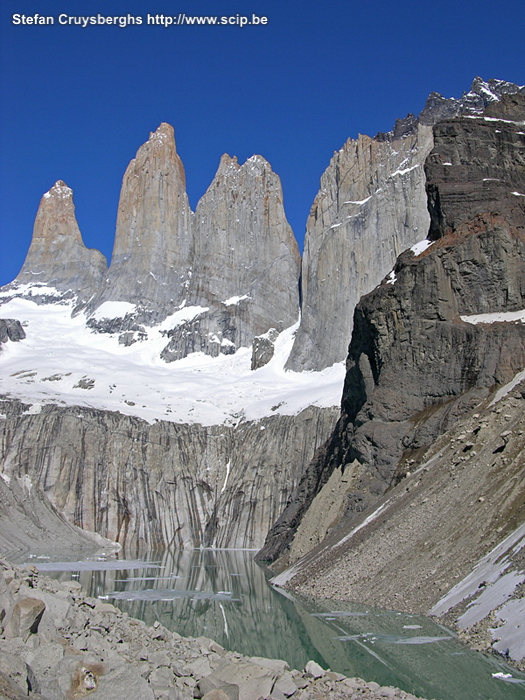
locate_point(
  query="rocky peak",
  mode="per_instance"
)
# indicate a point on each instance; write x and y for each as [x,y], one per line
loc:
[246,262]
[481,94]
[153,243]
[441,331]
[371,205]
[57,256]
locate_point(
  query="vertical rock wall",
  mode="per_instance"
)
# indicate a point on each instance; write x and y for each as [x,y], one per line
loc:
[162,484]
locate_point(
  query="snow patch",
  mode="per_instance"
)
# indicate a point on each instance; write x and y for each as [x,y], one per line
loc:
[135,381]
[184,314]
[233,301]
[391,278]
[420,247]
[113,309]
[496,317]
[359,202]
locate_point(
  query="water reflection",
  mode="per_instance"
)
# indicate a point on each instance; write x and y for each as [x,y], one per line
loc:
[224,594]
[407,651]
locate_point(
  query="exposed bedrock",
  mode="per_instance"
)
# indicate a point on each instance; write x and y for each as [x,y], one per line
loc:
[371,206]
[153,245]
[57,256]
[246,262]
[235,260]
[478,165]
[416,361]
[11,329]
[164,483]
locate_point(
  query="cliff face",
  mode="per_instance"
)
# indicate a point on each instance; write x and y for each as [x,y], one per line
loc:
[371,206]
[153,246]
[235,261]
[426,345]
[165,483]
[57,256]
[245,267]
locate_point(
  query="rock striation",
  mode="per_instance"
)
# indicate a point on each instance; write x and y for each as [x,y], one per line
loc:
[371,206]
[29,522]
[418,358]
[57,256]
[162,484]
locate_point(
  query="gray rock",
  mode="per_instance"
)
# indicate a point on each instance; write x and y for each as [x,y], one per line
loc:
[253,680]
[11,329]
[235,261]
[314,670]
[28,521]
[13,676]
[25,618]
[263,348]
[197,485]
[371,206]
[221,694]
[413,365]
[285,684]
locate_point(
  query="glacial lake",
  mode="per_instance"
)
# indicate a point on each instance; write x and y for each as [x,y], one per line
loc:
[224,594]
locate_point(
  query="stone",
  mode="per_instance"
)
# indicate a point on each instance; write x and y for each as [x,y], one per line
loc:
[313,669]
[14,671]
[263,348]
[220,694]
[11,329]
[252,679]
[25,618]
[285,684]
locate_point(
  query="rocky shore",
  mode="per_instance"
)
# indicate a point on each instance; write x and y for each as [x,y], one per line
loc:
[56,643]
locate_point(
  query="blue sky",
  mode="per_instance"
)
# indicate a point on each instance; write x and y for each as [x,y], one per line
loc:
[76,103]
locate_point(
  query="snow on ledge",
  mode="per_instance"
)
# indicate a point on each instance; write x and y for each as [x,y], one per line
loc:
[420,247]
[233,301]
[496,317]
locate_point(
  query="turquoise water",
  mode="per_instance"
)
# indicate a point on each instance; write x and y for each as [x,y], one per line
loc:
[224,595]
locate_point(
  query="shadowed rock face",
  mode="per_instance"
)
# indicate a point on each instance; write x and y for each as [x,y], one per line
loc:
[57,255]
[478,165]
[371,206]
[414,365]
[11,329]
